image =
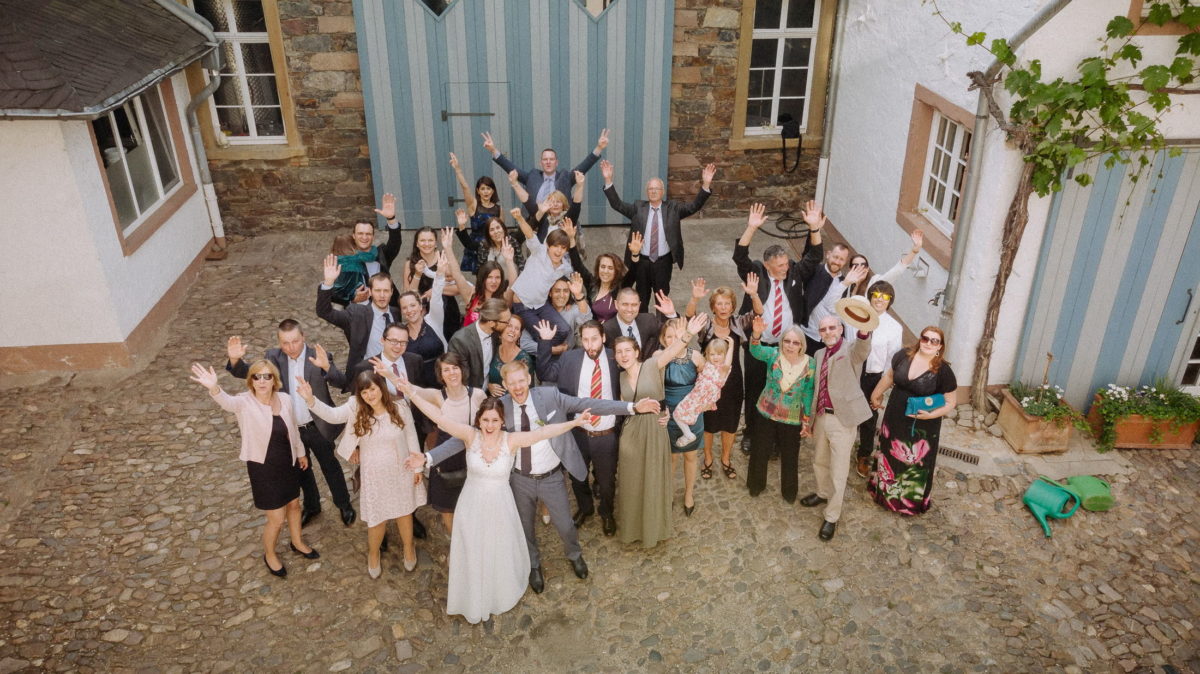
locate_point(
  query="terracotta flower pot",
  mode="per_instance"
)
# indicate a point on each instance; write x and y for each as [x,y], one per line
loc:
[1138,432]
[1028,434]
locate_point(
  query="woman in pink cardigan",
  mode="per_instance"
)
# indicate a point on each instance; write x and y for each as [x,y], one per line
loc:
[272,451]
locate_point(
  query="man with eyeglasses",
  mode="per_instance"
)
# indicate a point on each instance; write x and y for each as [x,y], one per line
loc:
[477,342]
[782,290]
[296,359]
[396,358]
[839,406]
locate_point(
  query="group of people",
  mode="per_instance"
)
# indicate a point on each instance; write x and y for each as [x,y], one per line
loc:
[551,373]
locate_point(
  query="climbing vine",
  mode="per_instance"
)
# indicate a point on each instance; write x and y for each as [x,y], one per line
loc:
[1110,107]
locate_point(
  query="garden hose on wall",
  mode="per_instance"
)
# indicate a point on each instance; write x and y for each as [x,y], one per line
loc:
[788,225]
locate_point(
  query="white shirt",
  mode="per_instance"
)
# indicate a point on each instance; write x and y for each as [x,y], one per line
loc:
[663,246]
[399,365]
[485,343]
[533,285]
[378,323]
[769,337]
[585,389]
[826,307]
[625,328]
[887,339]
[542,456]
[296,369]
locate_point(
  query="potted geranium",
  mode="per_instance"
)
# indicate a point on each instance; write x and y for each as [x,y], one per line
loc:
[1038,420]
[1159,416]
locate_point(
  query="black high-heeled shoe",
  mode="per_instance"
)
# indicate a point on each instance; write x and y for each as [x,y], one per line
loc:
[281,573]
[688,510]
[311,554]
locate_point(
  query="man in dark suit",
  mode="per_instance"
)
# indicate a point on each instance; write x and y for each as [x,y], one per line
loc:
[658,221]
[295,359]
[362,323]
[476,343]
[537,475]
[642,327]
[396,358]
[781,288]
[540,182]
[588,371]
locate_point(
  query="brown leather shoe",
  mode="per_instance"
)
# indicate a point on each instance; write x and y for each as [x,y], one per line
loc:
[864,466]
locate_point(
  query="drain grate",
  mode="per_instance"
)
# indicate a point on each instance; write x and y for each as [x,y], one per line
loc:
[965,457]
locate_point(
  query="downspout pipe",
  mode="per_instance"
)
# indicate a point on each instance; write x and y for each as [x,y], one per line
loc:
[975,164]
[213,66]
[831,107]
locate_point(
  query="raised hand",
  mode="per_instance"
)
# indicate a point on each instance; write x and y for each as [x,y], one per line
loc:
[758,216]
[855,276]
[813,216]
[460,218]
[545,330]
[696,323]
[664,303]
[606,170]
[206,377]
[706,175]
[635,244]
[751,284]
[918,239]
[448,237]
[332,269]
[305,390]
[515,212]
[602,141]
[513,177]
[757,325]
[442,264]
[576,285]
[647,406]
[569,228]
[388,209]
[699,288]
[235,349]
[453,161]
[488,143]
[321,360]
[507,251]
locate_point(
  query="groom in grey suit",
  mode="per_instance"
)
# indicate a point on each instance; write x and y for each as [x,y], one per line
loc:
[537,474]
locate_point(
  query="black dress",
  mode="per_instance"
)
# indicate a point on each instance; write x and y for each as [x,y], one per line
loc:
[276,481]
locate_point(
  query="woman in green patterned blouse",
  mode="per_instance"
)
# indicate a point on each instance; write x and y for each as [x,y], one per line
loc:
[786,408]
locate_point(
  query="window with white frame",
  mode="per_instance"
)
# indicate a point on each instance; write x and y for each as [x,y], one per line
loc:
[246,106]
[781,59]
[945,170]
[137,152]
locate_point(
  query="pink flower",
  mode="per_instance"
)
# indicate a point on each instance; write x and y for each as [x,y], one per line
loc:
[910,454]
[884,432]
[921,449]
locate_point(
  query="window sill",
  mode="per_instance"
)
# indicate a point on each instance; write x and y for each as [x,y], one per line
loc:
[811,141]
[937,244]
[265,152]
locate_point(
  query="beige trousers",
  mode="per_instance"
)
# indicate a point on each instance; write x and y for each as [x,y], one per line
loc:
[833,443]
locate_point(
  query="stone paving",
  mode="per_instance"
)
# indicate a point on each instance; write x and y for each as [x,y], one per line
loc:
[128,542]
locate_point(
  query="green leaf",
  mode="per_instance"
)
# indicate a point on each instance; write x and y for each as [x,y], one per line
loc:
[1120,26]
[976,38]
[955,27]
[1130,52]
[1084,179]
[1189,44]
[1189,16]
[1159,14]
[1159,100]
[1155,77]
[1093,71]
[1002,52]
[1181,67]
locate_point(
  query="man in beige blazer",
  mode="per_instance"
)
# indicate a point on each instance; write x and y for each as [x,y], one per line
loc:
[839,406]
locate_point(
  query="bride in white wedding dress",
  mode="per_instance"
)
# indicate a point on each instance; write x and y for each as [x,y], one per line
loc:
[489,559]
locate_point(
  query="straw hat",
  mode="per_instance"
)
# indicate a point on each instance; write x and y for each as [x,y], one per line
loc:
[858,313]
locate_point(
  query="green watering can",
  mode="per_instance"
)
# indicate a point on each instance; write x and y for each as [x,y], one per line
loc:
[1094,494]
[1047,498]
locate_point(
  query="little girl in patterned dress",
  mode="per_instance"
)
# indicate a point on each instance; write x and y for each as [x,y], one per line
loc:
[704,395]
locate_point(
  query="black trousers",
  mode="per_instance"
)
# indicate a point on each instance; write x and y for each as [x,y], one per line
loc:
[866,430]
[652,276]
[754,378]
[768,435]
[317,445]
[600,456]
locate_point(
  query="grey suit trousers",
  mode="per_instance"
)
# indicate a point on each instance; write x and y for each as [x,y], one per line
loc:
[551,490]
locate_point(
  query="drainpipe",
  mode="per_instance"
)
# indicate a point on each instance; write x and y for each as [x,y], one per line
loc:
[213,66]
[831,107]
[975,164]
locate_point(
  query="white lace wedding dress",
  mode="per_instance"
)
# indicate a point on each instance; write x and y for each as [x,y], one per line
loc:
[489,561]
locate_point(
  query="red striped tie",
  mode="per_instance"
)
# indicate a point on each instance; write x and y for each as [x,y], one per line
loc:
[777,324]
[597,391]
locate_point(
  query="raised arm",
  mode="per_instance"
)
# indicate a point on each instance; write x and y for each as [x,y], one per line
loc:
[706,177]
[815,252]
[517,181]
[741,251]
[663,356]
[548,366]
[437,300]
[526,438]
[334,415]
[751,288]
[464,286]
[463,185]
[325,309]
[699,291]
[523,225]
[593,156]
[918,239]
[610,192]
[236,350]
[464,432]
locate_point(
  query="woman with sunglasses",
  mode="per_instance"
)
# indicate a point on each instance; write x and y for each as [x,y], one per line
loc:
[886,341]
[272,451]
[902,473]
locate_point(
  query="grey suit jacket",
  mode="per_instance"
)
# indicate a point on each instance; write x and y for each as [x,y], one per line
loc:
[552,407]
[319,379]
[849,404]
[466,343]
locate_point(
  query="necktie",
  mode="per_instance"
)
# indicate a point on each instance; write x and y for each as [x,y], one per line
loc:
[777,324]
[654,227]
[629,332]
[597,390]
[526,455]
[396,370]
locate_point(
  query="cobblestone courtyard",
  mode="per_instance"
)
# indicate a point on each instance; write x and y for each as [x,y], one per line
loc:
[128,542]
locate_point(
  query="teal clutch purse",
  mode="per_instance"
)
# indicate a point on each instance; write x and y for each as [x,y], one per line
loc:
[924,404]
